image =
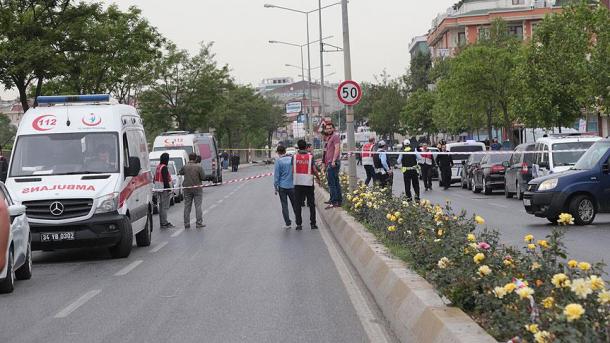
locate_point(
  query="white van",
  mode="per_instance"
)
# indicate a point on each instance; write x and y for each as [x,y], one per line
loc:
[552,155]
[202,144]
[466,148]
[80,166]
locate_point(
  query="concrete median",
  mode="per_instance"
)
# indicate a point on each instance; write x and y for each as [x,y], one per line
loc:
[409,303]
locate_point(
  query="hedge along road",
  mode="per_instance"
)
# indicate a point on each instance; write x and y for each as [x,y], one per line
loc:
[584,243]
[241,279]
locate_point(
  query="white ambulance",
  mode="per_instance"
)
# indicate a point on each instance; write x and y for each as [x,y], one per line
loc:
[80,166]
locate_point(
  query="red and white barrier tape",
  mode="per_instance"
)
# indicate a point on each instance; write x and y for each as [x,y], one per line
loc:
[216,184]
[490,152]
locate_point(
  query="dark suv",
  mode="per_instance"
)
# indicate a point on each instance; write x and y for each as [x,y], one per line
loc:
[583,191]
[519,170]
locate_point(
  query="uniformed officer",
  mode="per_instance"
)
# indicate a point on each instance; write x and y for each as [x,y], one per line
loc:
[410,170]
[304,171]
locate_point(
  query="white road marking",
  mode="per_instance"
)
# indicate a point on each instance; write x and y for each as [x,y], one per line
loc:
[219,201]
[497,205]
[77,303]
[158,246]
[177,233]
[375,331]
[128,268]
[212,207]
[228,196]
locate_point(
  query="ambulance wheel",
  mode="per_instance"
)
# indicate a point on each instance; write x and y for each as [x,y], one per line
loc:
[123,247]
[144,237]
[8,284]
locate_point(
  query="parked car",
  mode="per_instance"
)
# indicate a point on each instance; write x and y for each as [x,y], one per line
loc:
[552,157]
[177,193]
[18,255]
[489,174]
[519,170]
[465,149]
[583,190]
[468,167]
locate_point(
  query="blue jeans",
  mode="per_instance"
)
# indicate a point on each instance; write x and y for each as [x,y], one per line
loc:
[334,186]
[286,194]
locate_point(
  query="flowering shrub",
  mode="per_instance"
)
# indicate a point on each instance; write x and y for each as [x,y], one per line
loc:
[528,294]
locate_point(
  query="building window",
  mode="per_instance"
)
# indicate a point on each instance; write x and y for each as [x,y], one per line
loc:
[592,123]
[484,33]
[516,31]
[518,2]
[461,38]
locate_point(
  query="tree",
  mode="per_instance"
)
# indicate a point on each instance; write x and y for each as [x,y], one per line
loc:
[417,114]
[7,131]
[385,116]
[565,69]
[419,72]
[32,38]
[186,91]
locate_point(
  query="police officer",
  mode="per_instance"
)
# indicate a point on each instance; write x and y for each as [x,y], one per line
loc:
[304,171]
[410,170]
[445,162]
[163,180]
[383,171]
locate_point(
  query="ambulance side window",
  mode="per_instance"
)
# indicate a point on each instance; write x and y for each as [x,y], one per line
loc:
[125,151]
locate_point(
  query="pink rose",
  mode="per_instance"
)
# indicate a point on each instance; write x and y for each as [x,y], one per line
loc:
[484,246]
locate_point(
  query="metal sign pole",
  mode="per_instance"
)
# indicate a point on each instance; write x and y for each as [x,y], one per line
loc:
[347,65]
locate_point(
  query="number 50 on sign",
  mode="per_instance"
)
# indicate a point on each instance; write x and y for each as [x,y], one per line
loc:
[349,92]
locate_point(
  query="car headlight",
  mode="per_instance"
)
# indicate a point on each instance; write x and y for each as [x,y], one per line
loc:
[548,185]
[107,203]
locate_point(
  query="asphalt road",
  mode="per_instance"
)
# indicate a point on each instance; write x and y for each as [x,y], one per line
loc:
[584,243]
[241,279]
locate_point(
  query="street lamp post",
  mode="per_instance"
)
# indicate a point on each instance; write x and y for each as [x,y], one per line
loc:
[349,111]
[306,13]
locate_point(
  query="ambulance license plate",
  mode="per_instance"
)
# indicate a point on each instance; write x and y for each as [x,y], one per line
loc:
[56,236]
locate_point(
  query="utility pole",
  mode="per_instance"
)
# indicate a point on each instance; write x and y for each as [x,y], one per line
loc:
[349,111]
[309,108]
[321,61]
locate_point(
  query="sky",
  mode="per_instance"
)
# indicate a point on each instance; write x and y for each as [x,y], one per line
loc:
[380,33]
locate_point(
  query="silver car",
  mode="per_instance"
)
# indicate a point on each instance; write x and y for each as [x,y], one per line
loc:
[19,253]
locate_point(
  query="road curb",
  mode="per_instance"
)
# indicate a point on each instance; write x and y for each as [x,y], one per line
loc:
[409,303]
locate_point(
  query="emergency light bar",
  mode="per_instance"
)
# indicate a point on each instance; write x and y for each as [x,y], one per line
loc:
[62,99]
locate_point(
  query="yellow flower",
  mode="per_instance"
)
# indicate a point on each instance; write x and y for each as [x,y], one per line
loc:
[484,270]
[542,337]
[533,328]
[508,262]
[543,243]
[389,216]
[573,312]
[440,232]
[400,221]
[572,264]
[565,219]
[525,292]
[392,228]
[397,214]
[528,238]
[471,237]
[596,283]
[500,292]
[478,258]
[531,246]
[443,263]
[479,220]
[560,280]
[581,288]
[603,297]
[548,302]
[584,266]
[536,265]
[509,287]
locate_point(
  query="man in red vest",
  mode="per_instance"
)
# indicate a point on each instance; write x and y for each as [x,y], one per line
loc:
[367,160]
[163,180]
[304,171]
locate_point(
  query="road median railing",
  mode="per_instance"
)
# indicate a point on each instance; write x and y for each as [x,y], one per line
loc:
[455,281]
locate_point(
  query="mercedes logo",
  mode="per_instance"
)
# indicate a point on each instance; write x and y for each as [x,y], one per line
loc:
[56,208]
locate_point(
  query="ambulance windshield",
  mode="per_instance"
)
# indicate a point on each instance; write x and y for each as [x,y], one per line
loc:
[66,154]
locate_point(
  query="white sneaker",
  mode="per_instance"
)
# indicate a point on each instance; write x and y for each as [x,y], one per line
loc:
[287,227]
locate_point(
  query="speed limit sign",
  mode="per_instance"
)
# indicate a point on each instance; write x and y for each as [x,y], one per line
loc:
[349,92]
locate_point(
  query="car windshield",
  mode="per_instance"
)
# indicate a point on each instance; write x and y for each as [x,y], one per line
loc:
[569,158]
[498,158]
[465,148]
[65,154]
[592,156]
[188,149]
